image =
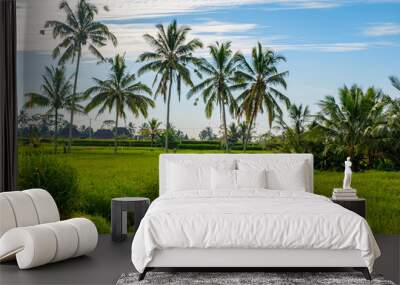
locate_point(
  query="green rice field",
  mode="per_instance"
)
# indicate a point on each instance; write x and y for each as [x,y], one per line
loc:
[134,172]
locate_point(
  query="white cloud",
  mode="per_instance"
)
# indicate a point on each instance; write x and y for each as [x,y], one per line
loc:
[33,14]
[131,41]
[317,4]
[218,27]
[329,47]
[320,4]
[131,36]
[384,29]
[302,5]
[137,9]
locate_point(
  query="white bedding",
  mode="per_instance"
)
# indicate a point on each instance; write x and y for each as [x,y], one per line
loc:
[250,219]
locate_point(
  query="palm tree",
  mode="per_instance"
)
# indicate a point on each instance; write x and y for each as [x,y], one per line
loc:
[78,30]
[392,130]
[23,119]
[243,133]
[259,80]
[293,132]
[349,124]
[119,90]
[207,134]
[299,117]
[233,133]
[144,130]
[169,59]
[73,103]
[56,90]
[108,124]
[217,87]
[154,129]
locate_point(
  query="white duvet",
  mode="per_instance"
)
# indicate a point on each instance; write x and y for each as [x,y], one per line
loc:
[250,219]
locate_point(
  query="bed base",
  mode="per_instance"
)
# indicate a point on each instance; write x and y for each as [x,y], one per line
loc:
[250,259]
[363,270]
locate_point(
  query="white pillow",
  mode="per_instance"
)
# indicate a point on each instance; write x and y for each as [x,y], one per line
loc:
[291,178]
[223,179]
[193,175]
[282,174]
[183,178]
[251,178]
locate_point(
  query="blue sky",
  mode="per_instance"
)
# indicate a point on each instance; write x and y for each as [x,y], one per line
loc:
[326,43]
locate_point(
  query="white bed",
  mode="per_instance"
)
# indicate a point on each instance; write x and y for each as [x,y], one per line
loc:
[249,227]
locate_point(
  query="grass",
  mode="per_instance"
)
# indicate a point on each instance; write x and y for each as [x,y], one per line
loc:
[381,189]
[134,172]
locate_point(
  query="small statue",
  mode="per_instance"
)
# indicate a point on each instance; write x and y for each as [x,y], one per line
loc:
[347,174]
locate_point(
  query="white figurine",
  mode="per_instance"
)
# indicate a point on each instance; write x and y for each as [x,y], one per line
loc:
[347,174]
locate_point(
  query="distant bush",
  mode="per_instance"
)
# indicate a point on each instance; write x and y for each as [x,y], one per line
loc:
[249,147]
[124,142]
[53,175]
[201,142]
[121,142]
[198,146]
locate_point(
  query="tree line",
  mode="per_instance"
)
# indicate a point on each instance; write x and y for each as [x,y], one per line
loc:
[363,124]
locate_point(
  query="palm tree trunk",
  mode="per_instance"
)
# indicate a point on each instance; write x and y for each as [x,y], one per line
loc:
[168,110]
[55,131]
[247,137]
[71,123]
[116,132]
[152,140]
[225,127]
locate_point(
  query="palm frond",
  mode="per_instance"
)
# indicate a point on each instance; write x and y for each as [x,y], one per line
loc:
[395,82]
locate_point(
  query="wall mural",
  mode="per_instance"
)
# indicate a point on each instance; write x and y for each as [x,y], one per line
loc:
[106,86]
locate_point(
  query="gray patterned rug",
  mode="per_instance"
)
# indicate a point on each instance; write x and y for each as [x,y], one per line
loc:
[243,278]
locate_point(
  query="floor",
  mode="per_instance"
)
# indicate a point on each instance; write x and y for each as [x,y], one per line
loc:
[104,266]
[110,260]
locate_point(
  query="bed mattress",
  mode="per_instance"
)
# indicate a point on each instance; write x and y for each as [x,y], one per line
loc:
[250,219]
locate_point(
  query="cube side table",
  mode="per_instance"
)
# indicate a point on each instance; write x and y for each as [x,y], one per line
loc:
[358,205]
[119,214]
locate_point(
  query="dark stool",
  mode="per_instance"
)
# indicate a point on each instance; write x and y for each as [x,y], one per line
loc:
[119,214]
